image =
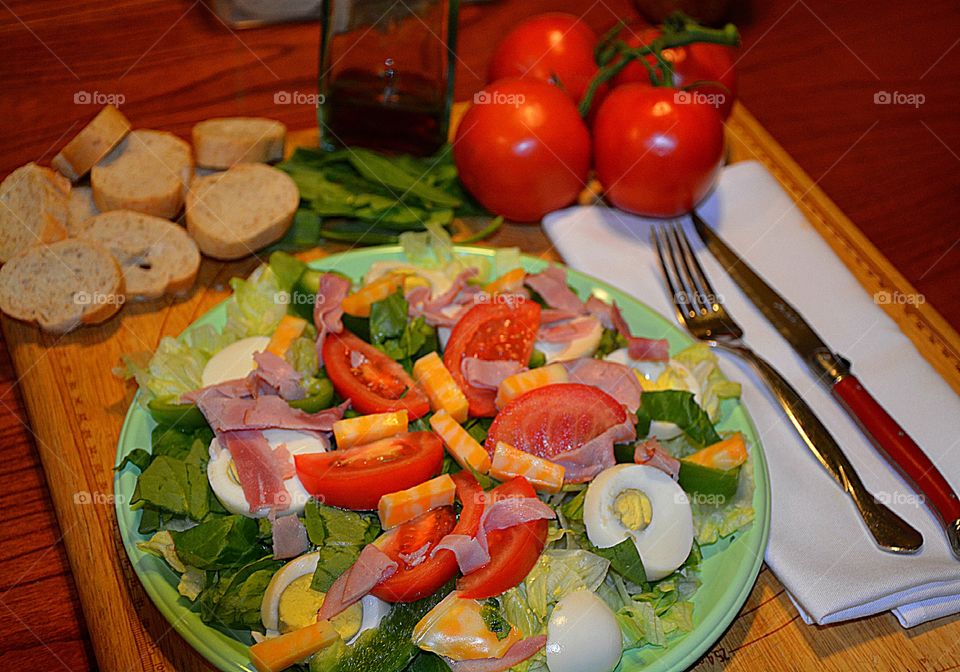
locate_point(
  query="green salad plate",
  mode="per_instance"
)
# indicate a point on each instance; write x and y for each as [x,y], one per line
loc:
[728,571]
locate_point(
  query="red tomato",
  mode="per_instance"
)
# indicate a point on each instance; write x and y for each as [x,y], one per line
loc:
[412,583]
[356,478]
[554,48]
[554,419]
[656,155]
[522,150]
[377,385]
[492,331]
[698,62]
[513,550]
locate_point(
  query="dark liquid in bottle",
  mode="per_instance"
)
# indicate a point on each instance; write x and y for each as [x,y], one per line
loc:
[389,112]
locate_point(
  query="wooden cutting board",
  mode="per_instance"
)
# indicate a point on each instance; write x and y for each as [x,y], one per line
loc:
[76,408]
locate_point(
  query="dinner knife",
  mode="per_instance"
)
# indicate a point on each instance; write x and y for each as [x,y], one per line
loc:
[834,371]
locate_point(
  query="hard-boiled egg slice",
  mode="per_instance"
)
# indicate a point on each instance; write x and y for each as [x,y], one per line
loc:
[234,361]
[584,346]
[455,628]
[289,603]
[634,501]
[583,634]
[670,375]
[438,280]
[222,473]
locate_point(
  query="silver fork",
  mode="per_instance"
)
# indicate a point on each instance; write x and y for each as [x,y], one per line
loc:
[700,309]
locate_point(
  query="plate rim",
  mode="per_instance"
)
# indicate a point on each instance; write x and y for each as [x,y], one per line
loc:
[683,658]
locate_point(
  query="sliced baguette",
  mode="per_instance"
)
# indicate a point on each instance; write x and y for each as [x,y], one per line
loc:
[237,212]
[92,143]
[82,208]
[223,142]
[62,285]
[34,209]
[157,256]
[148,172]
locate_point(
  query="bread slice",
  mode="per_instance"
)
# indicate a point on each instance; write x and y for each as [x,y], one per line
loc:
[34,207]
[92,143]
[223,142]
[157,256]
[237,212]
[81,208]
[148,172]
[62,285]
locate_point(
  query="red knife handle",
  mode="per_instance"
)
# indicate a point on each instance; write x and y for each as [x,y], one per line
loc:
[898,447]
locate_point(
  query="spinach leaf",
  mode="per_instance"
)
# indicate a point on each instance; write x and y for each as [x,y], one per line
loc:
[233,601]
[174,486]
[624,560]
[678,407]
[400,338]
[138,457]
[378,168]
[388,318]
[339,536]
[219,543]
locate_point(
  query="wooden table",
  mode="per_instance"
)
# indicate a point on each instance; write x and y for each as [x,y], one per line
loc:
[809,72]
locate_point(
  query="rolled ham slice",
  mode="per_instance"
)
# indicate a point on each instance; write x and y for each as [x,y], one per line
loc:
[652,454]
[371,568]
[259,469]
[227,414]
[551,285]
[641,349]
[584,463]
[617,380]
[274,375]
[488,373]
[515,655]
[328,307]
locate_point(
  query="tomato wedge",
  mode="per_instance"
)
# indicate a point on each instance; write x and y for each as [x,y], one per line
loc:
[356,478]
[373,382]
[492,331]
[412,583]
[513,550]
[554,419]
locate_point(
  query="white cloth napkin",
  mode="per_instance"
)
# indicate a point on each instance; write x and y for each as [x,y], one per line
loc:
[819,548]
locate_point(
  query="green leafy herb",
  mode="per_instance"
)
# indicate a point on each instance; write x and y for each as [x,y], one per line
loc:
[624,560]
[680,408]
[219,543]
[339,536]
[233,601]
[402,339]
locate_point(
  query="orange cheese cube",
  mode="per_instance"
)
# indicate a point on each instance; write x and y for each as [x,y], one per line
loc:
[442,390]
[515,385]
[399,507]
[368,428]
[279,653]
[508,462]
[358,304]
[510,281]
[462,447]
[289,330]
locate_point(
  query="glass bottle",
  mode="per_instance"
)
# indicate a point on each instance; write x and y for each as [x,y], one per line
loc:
[386,73]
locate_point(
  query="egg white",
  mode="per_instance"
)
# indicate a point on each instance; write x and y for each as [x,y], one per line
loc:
[234,361]
[583,634]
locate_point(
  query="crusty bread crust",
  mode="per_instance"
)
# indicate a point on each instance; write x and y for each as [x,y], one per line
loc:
[148,172]
[235,213]
[34,209]
[157,256]
[62,285]
[92,143]
[226,141]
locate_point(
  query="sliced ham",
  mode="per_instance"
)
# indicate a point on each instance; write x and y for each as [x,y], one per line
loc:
[289,537]
[617,380]
[258,469]
[641,349]
[328,307]
[551,285]
[274,375]
[226,414]
[472,553]
[551,315]
[287,468]
[447,308]
[231,389]
[568,330]
[585,462]
[652,454]
[515,655]
[371,568]
[488,373]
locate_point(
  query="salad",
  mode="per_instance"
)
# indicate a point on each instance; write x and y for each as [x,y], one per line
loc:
[449,463]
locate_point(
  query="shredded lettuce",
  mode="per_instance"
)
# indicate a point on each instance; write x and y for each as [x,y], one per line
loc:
[433,249]
[161,545]
[192,583]
[714,386]
[713,522]
[257,305]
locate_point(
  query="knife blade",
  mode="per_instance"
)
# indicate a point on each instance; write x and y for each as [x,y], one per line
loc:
[834,371]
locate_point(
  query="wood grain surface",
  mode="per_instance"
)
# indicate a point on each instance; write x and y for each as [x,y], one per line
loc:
[809,72]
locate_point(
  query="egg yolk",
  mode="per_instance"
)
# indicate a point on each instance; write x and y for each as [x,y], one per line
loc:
[300,603]
[633,509]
